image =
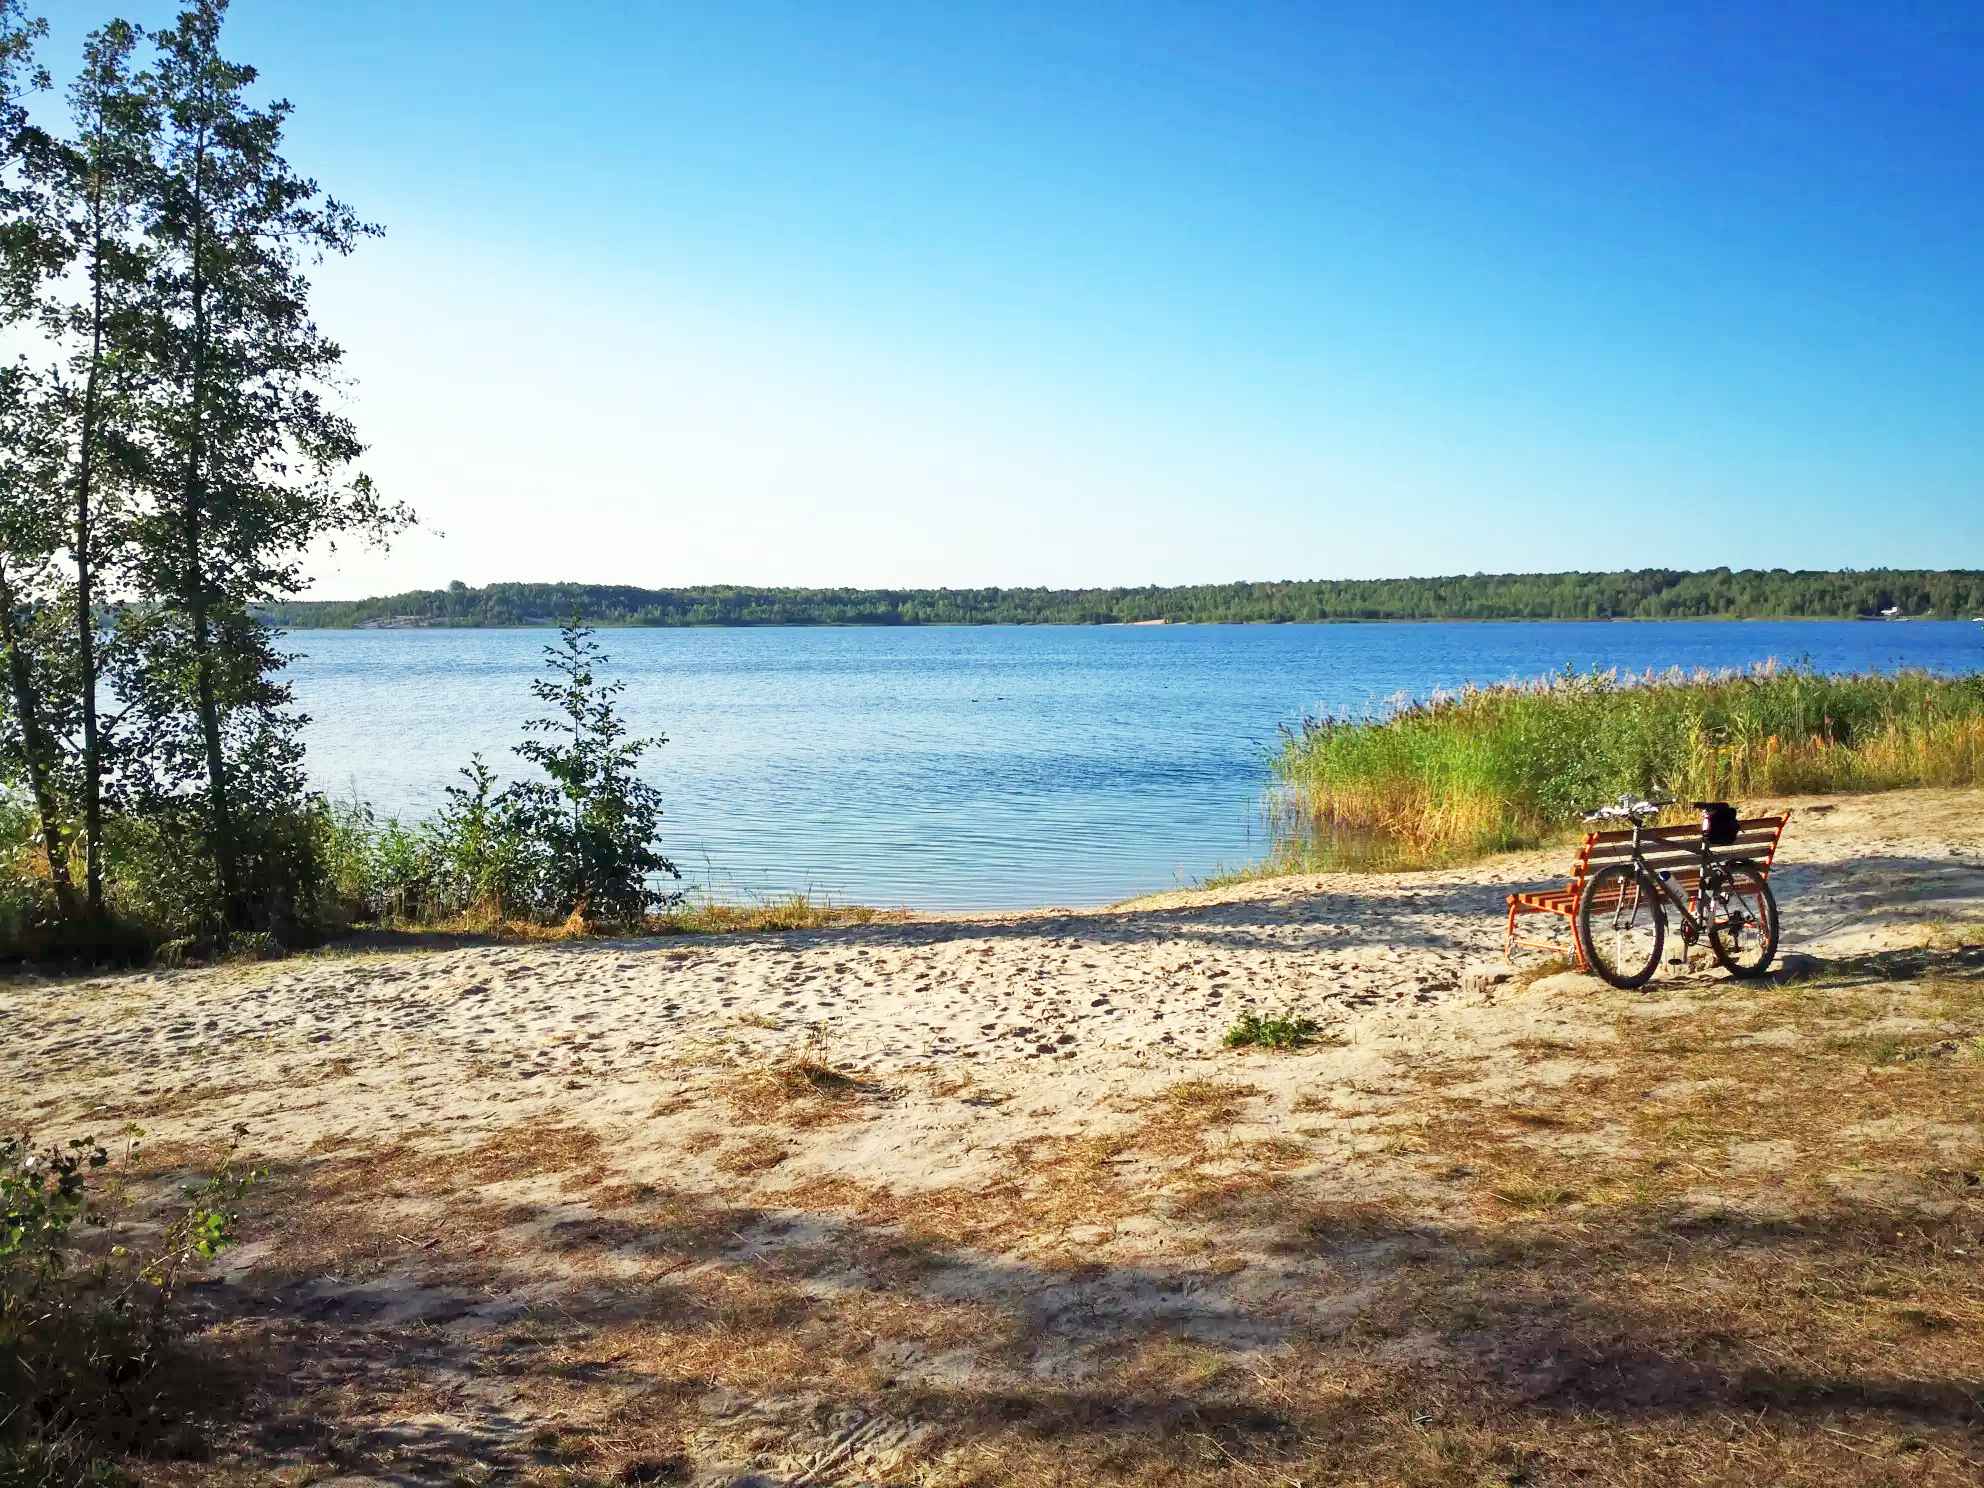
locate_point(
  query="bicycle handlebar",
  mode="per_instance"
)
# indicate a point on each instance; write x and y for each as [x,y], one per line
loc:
[1627,809]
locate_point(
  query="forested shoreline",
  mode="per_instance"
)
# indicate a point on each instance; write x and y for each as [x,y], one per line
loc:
[1645,594]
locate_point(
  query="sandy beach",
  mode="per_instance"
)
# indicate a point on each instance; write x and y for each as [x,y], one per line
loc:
[769,1208]
[434,1034]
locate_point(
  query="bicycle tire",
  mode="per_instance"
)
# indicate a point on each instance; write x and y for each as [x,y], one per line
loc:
[1729,949]
[1614,891]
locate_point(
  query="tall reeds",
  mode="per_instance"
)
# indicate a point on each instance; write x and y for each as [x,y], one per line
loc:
[1490,768]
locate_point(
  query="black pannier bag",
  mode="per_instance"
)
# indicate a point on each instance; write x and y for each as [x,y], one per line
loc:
[1718,823]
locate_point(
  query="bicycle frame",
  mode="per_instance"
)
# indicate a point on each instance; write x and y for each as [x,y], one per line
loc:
[1691,928]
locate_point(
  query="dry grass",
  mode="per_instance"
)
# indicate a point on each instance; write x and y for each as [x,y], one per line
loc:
[696,917]
[800,1091]
[1206,1100]
[1734,1244]
[791,912]
[533,1149]
[752,1155]
[1954,935]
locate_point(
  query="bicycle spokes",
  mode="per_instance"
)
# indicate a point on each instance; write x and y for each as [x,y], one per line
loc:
[1742,921]
[1621,927]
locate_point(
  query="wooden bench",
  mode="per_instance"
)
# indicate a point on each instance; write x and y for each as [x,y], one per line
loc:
[1674,849]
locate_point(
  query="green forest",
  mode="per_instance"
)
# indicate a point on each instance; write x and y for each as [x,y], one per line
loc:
[1644,594]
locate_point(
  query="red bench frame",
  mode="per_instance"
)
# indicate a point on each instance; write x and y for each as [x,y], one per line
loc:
[1672,848]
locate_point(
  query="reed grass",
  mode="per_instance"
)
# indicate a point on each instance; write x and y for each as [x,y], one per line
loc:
[1493,768]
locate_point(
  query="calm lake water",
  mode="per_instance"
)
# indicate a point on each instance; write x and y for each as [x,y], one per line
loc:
[976,767]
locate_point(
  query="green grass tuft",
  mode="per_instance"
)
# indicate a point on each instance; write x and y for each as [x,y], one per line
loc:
[1284,1030]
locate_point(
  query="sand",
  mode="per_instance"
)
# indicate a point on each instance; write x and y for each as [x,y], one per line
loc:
[1148,984]
[966,1039]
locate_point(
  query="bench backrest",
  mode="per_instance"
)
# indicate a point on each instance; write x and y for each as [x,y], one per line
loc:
[1679,846]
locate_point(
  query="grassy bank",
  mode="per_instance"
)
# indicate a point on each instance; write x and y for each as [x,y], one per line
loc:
[355,874]
[1511,766]
[697,915]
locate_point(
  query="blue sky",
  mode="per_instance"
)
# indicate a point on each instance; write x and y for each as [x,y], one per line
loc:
[959,294]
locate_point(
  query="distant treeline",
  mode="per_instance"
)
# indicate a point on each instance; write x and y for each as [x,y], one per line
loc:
[1649,594]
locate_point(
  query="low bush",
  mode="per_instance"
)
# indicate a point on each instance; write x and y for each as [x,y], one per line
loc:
[24,903]
[88,1313]
[299,882]
[574,843]
[1284,1030]
[474,862]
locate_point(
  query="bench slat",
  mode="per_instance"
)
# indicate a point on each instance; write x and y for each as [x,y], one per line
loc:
[1681,831]
[1667,856]
[1752,839]
[1690,839]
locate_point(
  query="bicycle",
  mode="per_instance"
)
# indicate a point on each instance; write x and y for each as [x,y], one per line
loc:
[1622,913]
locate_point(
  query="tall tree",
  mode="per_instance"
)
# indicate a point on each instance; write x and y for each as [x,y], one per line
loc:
[250,462]
[24,248]
[29,533]
[103,177]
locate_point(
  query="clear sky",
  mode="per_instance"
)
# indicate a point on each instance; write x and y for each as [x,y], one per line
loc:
[1014,293]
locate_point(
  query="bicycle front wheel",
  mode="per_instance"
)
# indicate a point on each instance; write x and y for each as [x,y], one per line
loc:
[1741,914]
[1621,929]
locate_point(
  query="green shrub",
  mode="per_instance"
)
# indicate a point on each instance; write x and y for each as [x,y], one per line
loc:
[590,827]
[86,1322]
[307,873]
[474,860]
[485,858]
[1284,1030]
[157,890]
[577,844]
[26,907]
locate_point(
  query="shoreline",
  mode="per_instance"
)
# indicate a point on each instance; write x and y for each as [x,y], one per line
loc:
[1946,825]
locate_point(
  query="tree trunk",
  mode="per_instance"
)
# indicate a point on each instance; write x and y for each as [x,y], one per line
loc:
[219,808]
[193,504]
[34,739]
[85,575]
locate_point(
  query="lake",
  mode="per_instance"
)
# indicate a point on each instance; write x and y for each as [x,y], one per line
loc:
[977,767]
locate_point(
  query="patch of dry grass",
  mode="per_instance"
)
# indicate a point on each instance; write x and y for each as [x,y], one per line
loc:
[533,1149]
[752,1155]
[1952,935]
[799,1091]
[695,917]
[789,912]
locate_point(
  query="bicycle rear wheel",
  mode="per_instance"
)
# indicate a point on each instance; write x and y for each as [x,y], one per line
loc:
[1621,928]
[1741,914]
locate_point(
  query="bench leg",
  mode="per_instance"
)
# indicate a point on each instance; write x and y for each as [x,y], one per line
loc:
[1550,947]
